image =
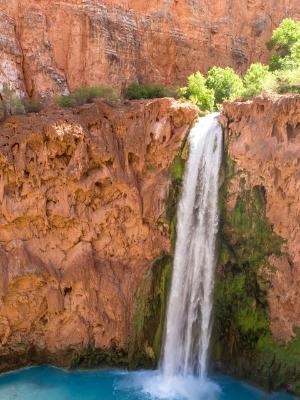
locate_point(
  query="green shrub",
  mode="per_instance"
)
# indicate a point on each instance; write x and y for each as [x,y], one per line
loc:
[137,91]
[281,76]
[225,83]
[32,105]
[254,79]
[11,102]
[198,93]
[85,95]
[88,94]
[65,101]
[288,81]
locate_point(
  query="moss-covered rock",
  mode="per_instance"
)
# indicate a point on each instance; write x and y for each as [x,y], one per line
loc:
[94,357]
[242,340]
[152,296]
[150,315]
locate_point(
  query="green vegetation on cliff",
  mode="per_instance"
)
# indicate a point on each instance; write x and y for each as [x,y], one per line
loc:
[148,326]
[94,357]
[281,76]
[285,42]
[85,95]
[242,341]
[143,350]
[138,91]
[152,296]
[11,103]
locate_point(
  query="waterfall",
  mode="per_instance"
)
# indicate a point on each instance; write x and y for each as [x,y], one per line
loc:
[190,305]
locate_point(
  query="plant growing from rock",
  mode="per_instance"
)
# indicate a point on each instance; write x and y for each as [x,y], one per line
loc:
[11,102]
[85,95]
[137,91]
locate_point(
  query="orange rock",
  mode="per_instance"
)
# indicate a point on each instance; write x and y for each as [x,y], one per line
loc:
[81,193]
[51,46]
[264,140]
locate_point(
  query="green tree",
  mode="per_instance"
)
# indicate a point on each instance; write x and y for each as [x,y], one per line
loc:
[225,83]
[198,93]
[285,42]
[254,79]
[287,34]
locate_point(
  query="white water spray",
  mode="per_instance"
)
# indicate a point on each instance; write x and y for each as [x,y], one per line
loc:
[188,328]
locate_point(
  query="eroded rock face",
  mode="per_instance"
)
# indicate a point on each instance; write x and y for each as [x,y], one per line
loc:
[51,46]
[83,196]
[256,331]
[263,139]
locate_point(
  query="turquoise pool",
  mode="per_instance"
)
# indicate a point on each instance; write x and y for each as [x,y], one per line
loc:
[49,383]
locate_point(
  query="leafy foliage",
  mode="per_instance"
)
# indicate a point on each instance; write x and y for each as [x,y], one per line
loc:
[281,76]
[88,94]
[221,84]
[12,103]
[137,91]
[65,101]
[85,95]
[285,36]
[283,81]
[254,79]
[198,93]
[32,105]
[286,44]
[225,83]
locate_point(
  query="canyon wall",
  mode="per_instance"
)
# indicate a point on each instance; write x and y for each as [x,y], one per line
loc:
[257,292]
[83,202]
[49,47]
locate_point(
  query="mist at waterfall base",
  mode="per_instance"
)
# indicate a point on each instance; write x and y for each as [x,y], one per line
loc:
[49,383]
[183,371]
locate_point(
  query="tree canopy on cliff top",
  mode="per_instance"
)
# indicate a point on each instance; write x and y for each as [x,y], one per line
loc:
[282,75]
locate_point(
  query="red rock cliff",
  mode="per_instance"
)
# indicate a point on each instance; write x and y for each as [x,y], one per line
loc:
[263,138]
[82,215]
[51,46]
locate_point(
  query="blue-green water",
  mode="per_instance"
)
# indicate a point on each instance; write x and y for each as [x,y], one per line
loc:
[49,383]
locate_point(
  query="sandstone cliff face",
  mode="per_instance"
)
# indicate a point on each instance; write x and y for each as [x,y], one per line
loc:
[264,140]
[49,47]
[257,291]
[83,197]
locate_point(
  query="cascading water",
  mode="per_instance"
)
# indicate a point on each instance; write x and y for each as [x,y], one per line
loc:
[183,372]
[188,328]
